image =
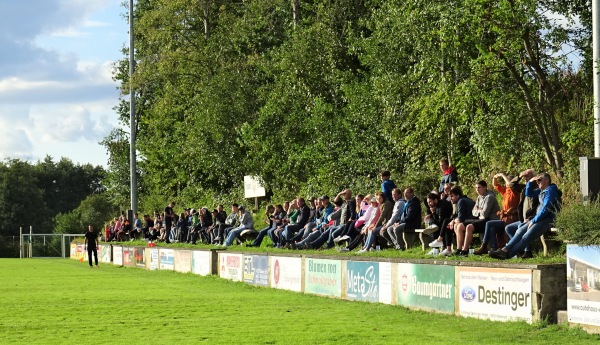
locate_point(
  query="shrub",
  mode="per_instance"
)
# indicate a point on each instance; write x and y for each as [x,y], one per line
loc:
[580,223]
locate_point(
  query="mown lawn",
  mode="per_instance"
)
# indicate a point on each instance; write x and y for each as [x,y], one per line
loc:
[56,301]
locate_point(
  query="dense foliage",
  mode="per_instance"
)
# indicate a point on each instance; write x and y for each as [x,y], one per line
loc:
[317,95]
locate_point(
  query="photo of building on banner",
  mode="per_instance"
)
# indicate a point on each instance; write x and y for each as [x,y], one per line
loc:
[583,284]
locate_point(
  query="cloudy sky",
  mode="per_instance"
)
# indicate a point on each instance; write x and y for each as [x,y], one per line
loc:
[56,91]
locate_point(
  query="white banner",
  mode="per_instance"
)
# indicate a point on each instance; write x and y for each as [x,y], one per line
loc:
[231,266]
[118,255]
[201,262]
[286,273]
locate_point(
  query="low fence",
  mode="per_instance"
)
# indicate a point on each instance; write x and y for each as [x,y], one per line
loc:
[496,291]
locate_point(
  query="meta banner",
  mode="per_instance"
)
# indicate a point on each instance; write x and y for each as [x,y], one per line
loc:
[426,287]
[256,269]
[495,293]
[362,281]
[323,277]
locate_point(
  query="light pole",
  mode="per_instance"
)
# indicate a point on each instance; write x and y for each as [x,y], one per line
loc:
[132,126]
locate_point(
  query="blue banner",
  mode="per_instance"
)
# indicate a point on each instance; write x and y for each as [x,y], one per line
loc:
[362,281]
[256,269]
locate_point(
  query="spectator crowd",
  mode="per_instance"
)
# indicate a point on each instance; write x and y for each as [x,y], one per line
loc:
[374,221]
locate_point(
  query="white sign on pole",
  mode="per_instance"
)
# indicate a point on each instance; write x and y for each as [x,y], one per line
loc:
[253,188]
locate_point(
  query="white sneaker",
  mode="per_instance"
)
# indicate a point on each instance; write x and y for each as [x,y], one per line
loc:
[431,252]
[361,251]
[446,252]
[430,229]
[344,238]
[436,244]
[337,239]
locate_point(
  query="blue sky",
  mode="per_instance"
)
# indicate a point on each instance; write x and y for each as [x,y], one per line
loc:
[56,91]
[590,255]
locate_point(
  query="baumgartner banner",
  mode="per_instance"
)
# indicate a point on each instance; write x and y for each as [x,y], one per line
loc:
[426,287]
[495,293]
[323,277]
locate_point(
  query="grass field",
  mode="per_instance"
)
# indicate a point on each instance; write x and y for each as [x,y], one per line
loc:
[56,301]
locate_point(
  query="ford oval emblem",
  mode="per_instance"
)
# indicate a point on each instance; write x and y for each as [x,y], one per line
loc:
[468,294]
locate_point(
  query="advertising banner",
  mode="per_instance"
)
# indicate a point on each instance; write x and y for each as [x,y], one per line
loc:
[495,293]
[230,266]
[80,252]
[183,261]
[256,269]
[104,253]
[167,259]
[362,281]
[139,257]
[286,273]
[152,258]
[583,284]
[385,282]
[323,277]
[128,256]
[118,255]
[202,262]
[73,250]
[426,287]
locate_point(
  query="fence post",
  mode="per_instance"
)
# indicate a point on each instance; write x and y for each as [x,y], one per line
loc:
[20,242]
[31,241]
[62,245]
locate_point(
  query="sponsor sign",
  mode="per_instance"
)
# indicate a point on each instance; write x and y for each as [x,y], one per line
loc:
[118,255]
[253,188]
[128,256]
[286,273]
[105,253]
[139,256]
[202,262]
[323,277]
[183,261]
[230,266]
[167,259]
[583,284]
[256,269]
[385,282]
[426,287]
[73,250]
[80,252]
[495,293]
[362,281]
[152,258]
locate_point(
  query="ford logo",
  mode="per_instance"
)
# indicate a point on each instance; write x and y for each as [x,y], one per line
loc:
[468,294]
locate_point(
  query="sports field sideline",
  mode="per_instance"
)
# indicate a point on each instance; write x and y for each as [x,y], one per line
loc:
[56,301]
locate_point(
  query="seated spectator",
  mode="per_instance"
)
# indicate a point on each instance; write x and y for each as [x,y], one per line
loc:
[464,208]
[371,216]
[182,227]
[148,224]
[219,217]
[395,219]
[508,214]
[291,229]
[246,222]
[439,215]
[347,209]
[550,198]
[314,230]
[291,213]
[486,208]
[362,205]
[231,222]
[410,219]
[385,213]
[527,209]
[136,230]
[270,213]
[124,229]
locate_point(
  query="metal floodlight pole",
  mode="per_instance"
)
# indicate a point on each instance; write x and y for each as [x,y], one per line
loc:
[21,242]
[132,126]
[31,241]
[596,56]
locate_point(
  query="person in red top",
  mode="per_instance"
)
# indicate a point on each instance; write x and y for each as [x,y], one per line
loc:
[509,213]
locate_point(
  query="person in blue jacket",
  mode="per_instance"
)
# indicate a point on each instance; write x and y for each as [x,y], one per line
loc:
[387,185]
[550,199]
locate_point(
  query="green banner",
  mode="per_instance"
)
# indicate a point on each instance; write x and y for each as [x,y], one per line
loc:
[323,277]
[426,287]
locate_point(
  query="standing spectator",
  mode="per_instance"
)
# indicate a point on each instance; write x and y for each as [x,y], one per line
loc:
[387,185]
[91,244]
[169,216]
[449,174]
[136,227]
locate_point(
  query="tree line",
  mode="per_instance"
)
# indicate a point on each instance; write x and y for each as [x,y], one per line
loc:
[316,95]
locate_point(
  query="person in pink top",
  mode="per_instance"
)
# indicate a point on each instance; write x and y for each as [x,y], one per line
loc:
[372,216]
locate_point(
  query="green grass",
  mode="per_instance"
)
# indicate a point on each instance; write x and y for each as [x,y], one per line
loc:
[55,301]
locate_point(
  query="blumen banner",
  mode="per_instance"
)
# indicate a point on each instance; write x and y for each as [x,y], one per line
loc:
[323,277]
